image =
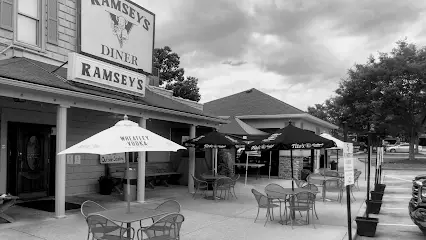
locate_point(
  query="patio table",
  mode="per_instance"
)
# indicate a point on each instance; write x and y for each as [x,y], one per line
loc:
[288,191]
[136,214]
[7,201]
[210,178]
[319,177]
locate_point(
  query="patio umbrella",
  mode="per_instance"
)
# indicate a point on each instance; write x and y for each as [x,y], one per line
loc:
[214,140]
[339,145]
[291,138]
[124,136]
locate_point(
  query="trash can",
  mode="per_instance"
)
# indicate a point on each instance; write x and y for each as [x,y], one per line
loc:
[132,175]
[333,165]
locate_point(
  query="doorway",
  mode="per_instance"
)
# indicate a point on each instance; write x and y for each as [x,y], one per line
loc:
[29,155]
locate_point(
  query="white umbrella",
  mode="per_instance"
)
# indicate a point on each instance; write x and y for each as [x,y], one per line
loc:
[124,136]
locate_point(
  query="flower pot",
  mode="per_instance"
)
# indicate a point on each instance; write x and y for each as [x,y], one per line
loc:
[366,227]
[376,196]
[374,206]
[379,187]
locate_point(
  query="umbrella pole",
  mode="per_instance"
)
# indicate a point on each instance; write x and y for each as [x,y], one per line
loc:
[270,157]
[337,164]
[291,164]
[128,182]
[213,161]
[245,182]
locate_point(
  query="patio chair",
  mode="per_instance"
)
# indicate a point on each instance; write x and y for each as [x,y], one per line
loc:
[317,182]
[338,185]
[234,181]
[88,207]
[199,185]
[300,183]
[356,178]
[223,185]
[273,187]
[167,228]
[263,202]
[313,187]
[103,228]
[304,202]
[331,174]
[169,206]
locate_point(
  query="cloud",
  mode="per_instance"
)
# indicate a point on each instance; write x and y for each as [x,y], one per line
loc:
[294,50]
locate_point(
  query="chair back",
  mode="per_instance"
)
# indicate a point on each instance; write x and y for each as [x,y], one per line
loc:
[299,183]
[89,207]
[331,174]
[169,206]
[261,199]
[167,227]
[196,180]
[311,186]
[223,182]
[306,197]
[235,179]
[103,228]
[357,175]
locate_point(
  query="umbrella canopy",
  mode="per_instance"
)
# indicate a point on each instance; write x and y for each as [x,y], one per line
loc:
[238,127]
[214,139]
[339,144]
[124,136]
[291,137]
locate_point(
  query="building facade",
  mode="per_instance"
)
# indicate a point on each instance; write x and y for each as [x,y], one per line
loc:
[48,103]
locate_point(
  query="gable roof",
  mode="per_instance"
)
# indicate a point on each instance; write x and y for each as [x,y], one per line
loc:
[249,102]
[238,127]
[28,70]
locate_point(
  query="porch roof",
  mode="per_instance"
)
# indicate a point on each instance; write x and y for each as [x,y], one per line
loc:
[31,71]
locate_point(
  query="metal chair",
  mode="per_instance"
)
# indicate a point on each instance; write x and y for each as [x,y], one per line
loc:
[300,183]
[313,187]
[356,178]
[167,228]
[234,181]
[263,202]
[169,206]
[199,185]
[222,184]
[277,189]
[304,202]
[103,228]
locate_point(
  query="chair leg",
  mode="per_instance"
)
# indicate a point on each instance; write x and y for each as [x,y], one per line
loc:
[258,209]
[233,189]
[195,193]
[268,214]
[315,210]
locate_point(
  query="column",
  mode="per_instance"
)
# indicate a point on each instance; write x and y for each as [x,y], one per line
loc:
[141,168]
[60,173]
[191,161]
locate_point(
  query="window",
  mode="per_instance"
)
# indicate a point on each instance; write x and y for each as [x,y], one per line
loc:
[28,22]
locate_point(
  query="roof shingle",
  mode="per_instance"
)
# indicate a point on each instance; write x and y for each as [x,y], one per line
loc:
[249,102]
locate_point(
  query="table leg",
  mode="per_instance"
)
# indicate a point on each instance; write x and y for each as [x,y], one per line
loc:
[129,232]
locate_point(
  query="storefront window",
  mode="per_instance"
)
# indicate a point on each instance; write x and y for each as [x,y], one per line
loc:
[28,22]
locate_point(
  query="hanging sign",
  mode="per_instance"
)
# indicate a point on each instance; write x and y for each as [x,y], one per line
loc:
[113,158]
[348,159]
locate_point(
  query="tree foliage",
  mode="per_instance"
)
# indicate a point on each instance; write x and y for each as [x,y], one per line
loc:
[172,75]
[388,92]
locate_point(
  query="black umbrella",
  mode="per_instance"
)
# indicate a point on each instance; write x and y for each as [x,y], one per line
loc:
[290,138]
[215,140]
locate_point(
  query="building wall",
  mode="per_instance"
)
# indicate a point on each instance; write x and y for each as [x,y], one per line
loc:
[81,178]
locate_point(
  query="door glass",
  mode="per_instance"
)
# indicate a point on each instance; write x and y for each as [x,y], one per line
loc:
[33,153]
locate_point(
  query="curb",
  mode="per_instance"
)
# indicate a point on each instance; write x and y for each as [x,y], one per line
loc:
[404,169]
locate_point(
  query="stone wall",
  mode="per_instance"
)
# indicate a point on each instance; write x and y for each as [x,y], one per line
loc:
[285,167]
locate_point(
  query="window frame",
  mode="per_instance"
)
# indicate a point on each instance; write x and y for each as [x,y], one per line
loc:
[41,31]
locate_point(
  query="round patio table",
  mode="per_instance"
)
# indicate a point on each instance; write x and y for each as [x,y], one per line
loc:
[210,178]
[323,179]
[283,193]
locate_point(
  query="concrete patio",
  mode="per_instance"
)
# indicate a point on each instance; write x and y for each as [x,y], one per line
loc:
[204,219]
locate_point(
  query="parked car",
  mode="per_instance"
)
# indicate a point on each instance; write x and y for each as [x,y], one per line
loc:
[402,148]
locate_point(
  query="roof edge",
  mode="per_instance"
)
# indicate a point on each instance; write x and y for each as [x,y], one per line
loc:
[297,115]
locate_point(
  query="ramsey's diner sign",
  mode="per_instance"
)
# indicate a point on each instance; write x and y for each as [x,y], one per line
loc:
[119,31]
[97,73]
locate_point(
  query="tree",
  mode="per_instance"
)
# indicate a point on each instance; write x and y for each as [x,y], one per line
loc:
[388,92]
[319,111]
[187,89]
[168,63]
[172,75]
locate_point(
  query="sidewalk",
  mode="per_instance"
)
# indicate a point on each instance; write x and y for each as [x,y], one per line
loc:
[204,219]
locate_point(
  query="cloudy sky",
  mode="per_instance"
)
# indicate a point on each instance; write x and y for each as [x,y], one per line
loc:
[294,50]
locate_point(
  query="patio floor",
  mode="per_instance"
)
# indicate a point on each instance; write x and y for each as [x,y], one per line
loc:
[204,219]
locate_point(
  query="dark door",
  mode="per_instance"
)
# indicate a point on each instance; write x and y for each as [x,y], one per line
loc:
[30,157]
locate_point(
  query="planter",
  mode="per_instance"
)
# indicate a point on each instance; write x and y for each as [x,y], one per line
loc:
[374,206]
[376,196]
[105,186]
[379,187]
[366,227]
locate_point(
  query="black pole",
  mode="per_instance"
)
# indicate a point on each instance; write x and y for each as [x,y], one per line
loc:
[337,156]
[291,164]
[368,171]
[376,176]
[325,159]
[348,189]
